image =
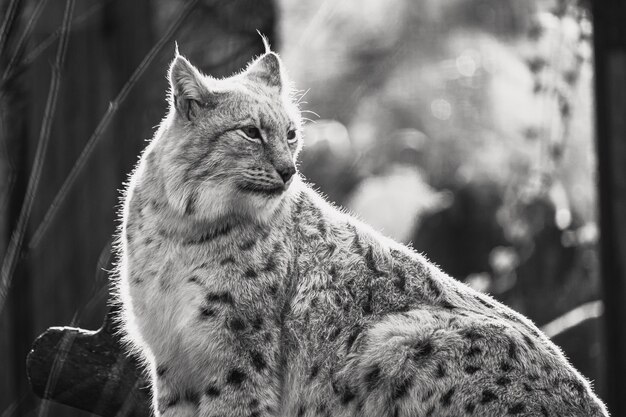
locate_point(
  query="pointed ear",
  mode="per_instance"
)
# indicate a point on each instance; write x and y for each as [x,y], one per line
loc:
[189,92]
[267,69]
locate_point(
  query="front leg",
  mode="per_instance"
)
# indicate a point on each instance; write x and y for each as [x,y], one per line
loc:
[227,373]
[169,400]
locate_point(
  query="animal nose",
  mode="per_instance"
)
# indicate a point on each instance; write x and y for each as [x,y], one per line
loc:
[286,172]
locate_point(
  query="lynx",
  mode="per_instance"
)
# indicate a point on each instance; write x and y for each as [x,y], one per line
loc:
[248,295]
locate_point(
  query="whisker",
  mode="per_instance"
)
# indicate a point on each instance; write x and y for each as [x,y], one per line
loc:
[311,112]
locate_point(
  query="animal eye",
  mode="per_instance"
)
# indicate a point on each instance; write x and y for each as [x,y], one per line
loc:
[252,132]
[291,135]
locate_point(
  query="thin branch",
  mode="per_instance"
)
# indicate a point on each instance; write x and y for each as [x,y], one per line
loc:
[104,122]
[11,12]
[22,40]
[31,56]
[17,237]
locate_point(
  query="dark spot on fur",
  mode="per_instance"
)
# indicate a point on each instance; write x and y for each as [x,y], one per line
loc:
[190,204]
[503,380]
[193,279]
[247,244]
[533,377]
[347,396]
[206,312]
[472,369]
[332,247]
[254,413]
[421,349]
[315,369]
[447,305]
[251,273]
[258,361]
[529,342]
[433,286]
[547,368]
[400,281]
[235,377]
[333,272]
[335,333]
[273,288]
[527,387]
[191,396]
[512,351]
[160,371]
[576,386]
[428,394]
[367,305]
[470,407]
[219,297]
[544,412]
[254,403]
[165,403]
[237,324]
[506,367]
[222,231]
[301,410]
[446,400]
[474,351]
[472,334]
[488,396]
[441,371]
[401,389]
[517,409]
[257,322]
[356,241]
[270,265]
[212,391]
[371,262]
[372,377]
[227,260]
[321,228]
[430,411]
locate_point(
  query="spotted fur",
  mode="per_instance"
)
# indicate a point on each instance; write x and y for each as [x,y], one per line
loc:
[249,295]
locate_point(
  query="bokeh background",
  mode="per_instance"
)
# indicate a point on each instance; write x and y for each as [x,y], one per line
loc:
[464,128]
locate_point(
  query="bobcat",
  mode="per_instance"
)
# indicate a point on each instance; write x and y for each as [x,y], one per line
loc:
[249,295]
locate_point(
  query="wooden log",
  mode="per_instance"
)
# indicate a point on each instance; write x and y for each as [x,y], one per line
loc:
[90,371]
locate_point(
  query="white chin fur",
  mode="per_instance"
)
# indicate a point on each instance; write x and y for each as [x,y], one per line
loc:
[213,202]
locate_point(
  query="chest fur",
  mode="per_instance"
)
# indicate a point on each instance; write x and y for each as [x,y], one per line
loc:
[227,289]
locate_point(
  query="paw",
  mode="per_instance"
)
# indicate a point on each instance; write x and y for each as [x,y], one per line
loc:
[175,408]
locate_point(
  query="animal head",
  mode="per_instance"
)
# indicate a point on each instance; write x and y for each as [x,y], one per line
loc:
[228,146]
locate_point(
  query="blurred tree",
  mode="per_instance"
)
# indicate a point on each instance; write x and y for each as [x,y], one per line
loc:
[610,64]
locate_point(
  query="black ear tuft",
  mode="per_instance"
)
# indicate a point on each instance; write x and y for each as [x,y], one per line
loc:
[267,69]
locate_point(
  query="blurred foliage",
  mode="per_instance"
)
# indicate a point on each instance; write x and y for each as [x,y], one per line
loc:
[465,129]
